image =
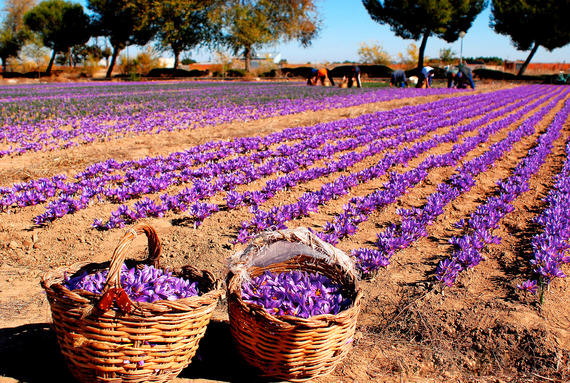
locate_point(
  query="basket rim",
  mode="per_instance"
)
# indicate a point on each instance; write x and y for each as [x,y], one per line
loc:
[83,297]
[235,281]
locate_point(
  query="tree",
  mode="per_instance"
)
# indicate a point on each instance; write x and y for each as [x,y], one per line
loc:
[36,52]
[252,24]
[142,63]
[13,32]
[410,58]
[80,54]
[181,25]
[223,59]
[422,19]
[531,24]
[373,54]
[447,56]
[59,24]
[123,22]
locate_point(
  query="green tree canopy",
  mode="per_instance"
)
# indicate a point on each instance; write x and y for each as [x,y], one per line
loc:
[532,23]
[251,24]
[447,56]
[13,32]
[181,25]
[59,24]
[424,18]
[123,22]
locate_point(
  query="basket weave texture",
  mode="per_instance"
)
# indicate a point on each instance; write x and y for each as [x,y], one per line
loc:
[288,347]
[153,343]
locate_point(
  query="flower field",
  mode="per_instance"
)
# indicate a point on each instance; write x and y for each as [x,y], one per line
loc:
[454,205]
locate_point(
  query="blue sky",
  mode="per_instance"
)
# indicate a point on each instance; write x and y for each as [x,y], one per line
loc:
[346,23]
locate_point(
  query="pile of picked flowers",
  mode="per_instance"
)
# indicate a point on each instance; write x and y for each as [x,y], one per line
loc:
[295,293]
[148,284]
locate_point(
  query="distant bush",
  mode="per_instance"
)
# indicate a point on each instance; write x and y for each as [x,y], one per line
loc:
[36,74]
[376,70]
[236,73]
[297,72]
[12,74]
[269,74]
[490,74]
[171,72]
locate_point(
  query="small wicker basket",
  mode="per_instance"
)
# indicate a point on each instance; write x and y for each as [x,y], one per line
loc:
[153,343]
[288,347]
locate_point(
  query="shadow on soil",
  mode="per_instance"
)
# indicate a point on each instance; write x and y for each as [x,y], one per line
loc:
[30,353]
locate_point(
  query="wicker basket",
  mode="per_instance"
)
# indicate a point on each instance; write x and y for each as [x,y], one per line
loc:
[287,347]
[153,343]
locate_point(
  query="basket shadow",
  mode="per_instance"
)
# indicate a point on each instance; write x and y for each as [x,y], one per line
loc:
[30,353]
[218,359]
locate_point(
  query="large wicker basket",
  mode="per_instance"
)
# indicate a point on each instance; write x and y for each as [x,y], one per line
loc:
[153,343]
[288,347]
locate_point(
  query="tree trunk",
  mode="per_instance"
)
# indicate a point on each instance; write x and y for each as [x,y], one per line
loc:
[247,57]
[422,50]
[113,61]
[3,66]
[50,65]
[525,65]
[176,56]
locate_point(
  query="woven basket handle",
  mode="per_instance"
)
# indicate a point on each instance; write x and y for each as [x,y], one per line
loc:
[118,258]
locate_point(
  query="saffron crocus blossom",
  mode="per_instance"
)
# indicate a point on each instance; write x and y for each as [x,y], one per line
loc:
[295,293]
[148,284]
[528,286]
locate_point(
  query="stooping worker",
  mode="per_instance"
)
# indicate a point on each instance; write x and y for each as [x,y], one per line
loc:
[464,77]
[425,77]
[354,75]
[398,79]
[450,73]
[323,75]
[312,77]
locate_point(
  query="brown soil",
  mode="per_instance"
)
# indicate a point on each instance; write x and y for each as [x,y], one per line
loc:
[480,330]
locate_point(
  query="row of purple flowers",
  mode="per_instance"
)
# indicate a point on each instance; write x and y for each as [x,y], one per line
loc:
[550,247]
[69,117]
[486,218]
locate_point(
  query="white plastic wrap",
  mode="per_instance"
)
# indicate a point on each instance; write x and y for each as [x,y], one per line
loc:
[279,246]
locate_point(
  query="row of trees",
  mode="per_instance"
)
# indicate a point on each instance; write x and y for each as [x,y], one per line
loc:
[176,25]
[530,24]
[247,25]
[374,53]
